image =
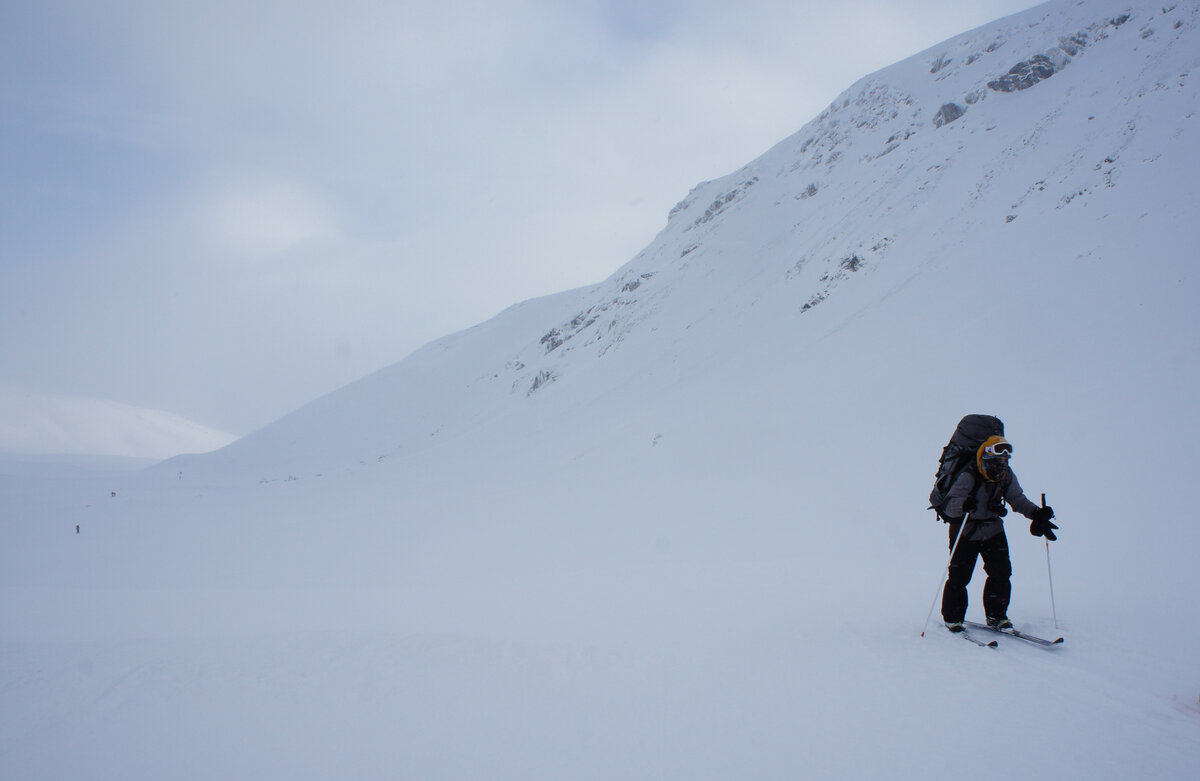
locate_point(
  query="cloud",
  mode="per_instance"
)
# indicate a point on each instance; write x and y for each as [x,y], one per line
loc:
[255,215]
[227,209]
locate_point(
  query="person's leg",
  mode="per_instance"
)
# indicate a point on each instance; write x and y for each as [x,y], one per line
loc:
[962,566]
[997,590]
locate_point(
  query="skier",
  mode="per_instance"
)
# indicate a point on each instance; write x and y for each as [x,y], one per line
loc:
[978,497]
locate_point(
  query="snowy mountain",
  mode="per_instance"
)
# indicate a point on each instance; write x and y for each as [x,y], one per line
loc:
[673,525]
[964,160]
[57,425]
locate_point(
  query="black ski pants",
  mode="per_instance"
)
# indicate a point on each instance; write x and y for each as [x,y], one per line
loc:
[997,589]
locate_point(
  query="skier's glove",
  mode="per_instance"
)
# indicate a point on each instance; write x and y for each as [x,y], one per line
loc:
[1042,526]
[1043,514]
[1045,529]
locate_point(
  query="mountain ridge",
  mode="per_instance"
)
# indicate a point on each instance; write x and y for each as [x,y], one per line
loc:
[850,195]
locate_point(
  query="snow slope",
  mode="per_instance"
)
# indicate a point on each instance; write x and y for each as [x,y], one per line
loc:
[672,525]
[34,425]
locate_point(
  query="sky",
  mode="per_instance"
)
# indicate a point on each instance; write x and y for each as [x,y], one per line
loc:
[224,210]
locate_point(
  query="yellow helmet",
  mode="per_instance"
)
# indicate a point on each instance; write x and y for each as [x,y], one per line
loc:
[992,458]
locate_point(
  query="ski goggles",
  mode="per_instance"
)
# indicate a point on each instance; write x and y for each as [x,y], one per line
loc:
[998,450]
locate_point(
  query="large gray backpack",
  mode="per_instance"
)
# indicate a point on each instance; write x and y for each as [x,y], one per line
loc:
[959,454]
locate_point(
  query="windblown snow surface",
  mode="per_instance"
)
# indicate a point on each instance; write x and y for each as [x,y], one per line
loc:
[673,526]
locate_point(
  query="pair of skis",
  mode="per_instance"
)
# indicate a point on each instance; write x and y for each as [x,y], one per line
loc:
[1033,639]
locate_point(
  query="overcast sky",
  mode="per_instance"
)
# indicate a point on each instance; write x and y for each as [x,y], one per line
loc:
[224,209]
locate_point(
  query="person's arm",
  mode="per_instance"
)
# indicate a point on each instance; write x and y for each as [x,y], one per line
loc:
[1017,499]
[959,499]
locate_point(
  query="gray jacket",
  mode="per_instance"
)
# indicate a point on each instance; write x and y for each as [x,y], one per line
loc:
[987,517]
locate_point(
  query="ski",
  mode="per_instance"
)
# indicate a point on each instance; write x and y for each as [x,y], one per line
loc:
[1017,634]
[964,634]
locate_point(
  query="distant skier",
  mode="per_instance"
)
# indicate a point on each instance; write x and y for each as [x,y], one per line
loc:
[979,494]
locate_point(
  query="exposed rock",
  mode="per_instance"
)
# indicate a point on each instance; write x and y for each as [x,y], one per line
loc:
[1025,74]
[1042,66]
[542,379]
[947,114]
[722,201]
[553,340]
[975,96]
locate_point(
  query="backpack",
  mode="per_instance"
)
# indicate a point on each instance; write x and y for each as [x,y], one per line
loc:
[959,454]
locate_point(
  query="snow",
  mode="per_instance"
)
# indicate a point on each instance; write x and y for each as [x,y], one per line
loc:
[701,550]
[32,424]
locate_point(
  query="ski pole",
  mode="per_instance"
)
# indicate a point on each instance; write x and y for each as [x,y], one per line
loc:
[945,573]
[1050,576]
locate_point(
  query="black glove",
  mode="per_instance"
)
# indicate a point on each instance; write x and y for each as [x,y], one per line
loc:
[1041,526]
[968,505]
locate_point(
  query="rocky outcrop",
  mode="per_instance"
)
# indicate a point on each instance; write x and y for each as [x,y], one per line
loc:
[1042,66]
